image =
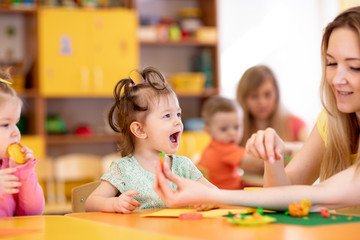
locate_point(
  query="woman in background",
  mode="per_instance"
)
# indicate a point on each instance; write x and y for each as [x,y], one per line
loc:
[259,96]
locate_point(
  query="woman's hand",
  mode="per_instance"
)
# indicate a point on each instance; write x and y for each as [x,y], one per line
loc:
[266,145]
[9,183]
[125,203]
[187,192]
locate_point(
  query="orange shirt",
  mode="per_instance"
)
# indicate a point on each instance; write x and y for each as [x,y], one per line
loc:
[222,160]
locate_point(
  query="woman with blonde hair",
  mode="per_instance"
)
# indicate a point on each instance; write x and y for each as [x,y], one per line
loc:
[332,151]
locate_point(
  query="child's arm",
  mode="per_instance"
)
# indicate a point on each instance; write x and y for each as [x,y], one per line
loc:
[30,196]
[104,199]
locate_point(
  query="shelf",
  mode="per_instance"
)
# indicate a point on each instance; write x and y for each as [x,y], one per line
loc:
[205,94]
[28,93]
[77,139]
[190,42]
[19,9]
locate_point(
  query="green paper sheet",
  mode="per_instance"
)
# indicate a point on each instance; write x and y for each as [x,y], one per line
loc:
[313,219]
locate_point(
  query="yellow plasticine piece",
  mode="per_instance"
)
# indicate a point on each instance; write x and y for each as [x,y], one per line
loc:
[14,150]
[300,209]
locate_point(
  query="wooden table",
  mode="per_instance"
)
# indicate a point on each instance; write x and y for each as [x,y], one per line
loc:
[134,226]
[216,228]
[54,227]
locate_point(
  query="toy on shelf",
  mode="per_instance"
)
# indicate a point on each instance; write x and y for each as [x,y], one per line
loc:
[84,130]
[300,209]
[55,124]
[14,150]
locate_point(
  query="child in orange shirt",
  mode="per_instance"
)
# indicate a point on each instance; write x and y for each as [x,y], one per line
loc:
[222,157]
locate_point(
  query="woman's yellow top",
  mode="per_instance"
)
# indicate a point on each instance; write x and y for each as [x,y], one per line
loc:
[321,123]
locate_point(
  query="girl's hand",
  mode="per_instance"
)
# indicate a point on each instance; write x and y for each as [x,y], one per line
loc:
[28,153]
[205,206]
[125,203]
[9,183]
[265,145]
[187,192]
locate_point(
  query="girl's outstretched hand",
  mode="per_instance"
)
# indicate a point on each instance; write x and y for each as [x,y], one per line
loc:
[125,203]
[187,192]
[9,183]
[266,145]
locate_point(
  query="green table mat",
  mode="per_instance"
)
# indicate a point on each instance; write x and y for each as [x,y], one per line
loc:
[313,219]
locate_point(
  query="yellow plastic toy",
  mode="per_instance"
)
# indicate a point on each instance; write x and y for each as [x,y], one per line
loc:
[14,150]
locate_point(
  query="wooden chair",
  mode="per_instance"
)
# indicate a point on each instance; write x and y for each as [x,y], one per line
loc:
[80,194]
[75,169]
[44,170]
[107,160]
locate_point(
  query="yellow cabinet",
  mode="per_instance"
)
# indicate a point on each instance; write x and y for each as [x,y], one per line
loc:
[85,52]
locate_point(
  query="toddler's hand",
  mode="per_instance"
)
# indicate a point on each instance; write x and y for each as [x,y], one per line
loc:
[205,207]
[125,203]
[28,153]
[9,183]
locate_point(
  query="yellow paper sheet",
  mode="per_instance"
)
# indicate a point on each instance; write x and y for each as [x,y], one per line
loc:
[215,213]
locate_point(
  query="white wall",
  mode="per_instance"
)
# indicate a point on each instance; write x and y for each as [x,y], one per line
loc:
[283,34]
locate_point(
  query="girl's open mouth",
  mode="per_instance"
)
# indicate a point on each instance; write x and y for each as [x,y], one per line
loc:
[174,137]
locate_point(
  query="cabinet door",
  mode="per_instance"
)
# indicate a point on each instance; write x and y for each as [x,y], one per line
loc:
[64,68]
[114,48]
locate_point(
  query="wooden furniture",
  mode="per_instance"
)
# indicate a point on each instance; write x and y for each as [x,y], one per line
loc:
[71,67]
[62,227]
[177,56]
[216,228]
[134,226]
[80,194]
[76,168]
[68,65]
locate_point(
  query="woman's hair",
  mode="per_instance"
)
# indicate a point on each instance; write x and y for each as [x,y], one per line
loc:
[218,104]
[343,128]
[133,102]
[251,80]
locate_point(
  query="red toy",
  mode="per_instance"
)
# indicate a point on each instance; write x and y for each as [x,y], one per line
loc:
[190,216]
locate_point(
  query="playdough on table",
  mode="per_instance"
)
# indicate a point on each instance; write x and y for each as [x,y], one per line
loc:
[214,213]
[300,209]
[254,219]
[14,150]
[161,159]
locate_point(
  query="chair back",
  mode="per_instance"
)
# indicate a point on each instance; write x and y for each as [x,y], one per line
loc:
[75,168]
[80,194]
[107,160]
